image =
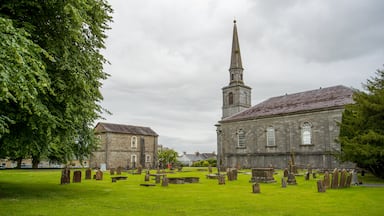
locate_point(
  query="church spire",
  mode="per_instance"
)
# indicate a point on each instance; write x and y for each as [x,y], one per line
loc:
[236,68]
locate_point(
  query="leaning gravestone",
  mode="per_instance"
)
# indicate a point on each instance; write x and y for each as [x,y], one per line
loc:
[320,186]
[326,179]
[256,187]
[76,176]
[349,180]
[65,176]
[335,179]
[88,173]
[99,175]
[283,183]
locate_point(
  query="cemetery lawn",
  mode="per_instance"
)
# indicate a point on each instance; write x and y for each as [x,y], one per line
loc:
[38,192]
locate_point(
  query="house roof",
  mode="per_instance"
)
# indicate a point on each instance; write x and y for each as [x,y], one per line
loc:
[127,129]
[334,97]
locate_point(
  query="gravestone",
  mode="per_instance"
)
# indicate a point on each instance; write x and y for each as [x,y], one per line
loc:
[343,178]
[262,175]
[139,170]
[286,172]
[335,179]
[355,180]
[327,179]
[320,186]
[88,173]
[147,176]
[118,170]
[256,187]
[103,167]
[76,176]
[232,174]
[112,171]
[65,176]
[314,175]
[291,179]
[164,181]
[210,169]
[157,179]
[221,179]
[283,183]
[349,180]
[306,176]
[99,175]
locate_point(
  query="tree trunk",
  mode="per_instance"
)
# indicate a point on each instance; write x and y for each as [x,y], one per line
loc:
[35,162]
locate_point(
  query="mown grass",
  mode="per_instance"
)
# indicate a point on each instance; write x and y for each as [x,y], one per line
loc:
[38,192]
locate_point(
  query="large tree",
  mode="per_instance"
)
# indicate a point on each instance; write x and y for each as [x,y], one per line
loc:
[362,127]
[51,72]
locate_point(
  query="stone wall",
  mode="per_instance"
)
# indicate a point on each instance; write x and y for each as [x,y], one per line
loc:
[288,139]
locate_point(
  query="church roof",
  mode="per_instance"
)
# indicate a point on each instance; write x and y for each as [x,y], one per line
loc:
[127,129]
[334,97]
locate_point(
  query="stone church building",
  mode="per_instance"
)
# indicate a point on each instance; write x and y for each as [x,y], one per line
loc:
[124,146]
[303,124]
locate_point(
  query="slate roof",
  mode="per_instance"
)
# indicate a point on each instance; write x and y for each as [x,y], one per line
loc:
[127,129]
[334,97]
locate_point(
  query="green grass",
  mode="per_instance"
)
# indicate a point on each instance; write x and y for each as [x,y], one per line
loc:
[38,192]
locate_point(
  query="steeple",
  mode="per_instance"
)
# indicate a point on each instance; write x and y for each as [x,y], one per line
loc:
[235,56]
[236,96]
[236,67]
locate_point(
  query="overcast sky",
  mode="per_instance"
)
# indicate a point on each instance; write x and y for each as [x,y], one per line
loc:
[170,58]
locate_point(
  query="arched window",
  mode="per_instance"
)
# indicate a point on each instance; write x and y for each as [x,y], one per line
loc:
[230,98]
[271,136]
[240,139]
[306,135]
[134,142]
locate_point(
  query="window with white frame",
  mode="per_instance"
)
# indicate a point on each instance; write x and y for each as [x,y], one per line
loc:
[271,136]
[306,135]
[133,158]
[134,142]
[147,158]
[240,138]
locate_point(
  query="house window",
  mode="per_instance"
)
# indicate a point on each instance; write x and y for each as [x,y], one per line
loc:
[306,134]
[271,136]
[240,139]
[134,142]
[230,98]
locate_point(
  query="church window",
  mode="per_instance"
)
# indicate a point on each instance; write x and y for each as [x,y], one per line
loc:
[230,98]
[147,158]
[271,136]
[134,142]
[306,134]
[240,139]
[232,76]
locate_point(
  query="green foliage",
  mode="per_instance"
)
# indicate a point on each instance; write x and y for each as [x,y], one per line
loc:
[52,70]
[205,163]
[362,127]
[167,156]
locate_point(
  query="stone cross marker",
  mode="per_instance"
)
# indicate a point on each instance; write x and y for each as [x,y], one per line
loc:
[76,176]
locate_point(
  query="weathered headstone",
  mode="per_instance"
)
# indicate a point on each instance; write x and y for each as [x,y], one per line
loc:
[65,176]
[283,183]
[232,174]
[147,176]
[118,170]
[343,178]
[99,175]
[157,179]
[349,180]
[286,172]
[164,181]
[221,179]
[88,174]
[76,176]
[256,187]
[291,179]
[355,180]
[314,175]
[262,175]
[335,179]
[112,171]
[320,186]
[210,169]
[139,170]
[327,179]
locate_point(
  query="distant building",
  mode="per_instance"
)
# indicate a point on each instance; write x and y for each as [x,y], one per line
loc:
[188,159]
[124,146]
[302,124]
